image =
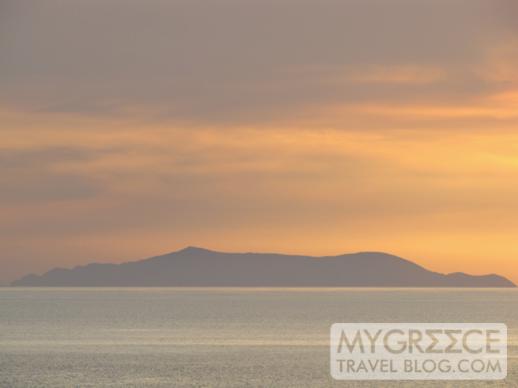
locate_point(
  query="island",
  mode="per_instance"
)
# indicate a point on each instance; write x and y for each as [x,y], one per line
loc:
[198,267]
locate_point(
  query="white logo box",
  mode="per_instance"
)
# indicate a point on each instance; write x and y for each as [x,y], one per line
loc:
[418,351]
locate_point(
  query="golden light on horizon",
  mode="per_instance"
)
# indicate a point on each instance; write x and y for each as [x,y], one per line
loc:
[344,137]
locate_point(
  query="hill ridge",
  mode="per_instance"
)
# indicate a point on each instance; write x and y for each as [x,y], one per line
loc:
[195,266]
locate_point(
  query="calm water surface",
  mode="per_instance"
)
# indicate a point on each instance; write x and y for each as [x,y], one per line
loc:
[131,337]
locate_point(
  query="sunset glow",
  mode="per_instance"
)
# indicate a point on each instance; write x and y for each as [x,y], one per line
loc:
[404,142]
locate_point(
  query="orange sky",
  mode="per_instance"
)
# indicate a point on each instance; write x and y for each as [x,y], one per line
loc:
[127,145]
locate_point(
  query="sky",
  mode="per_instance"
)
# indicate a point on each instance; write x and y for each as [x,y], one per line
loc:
[130,129]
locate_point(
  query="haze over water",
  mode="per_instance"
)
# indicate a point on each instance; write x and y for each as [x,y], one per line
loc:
[205,337]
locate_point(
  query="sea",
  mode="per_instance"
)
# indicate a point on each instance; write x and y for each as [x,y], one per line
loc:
[217,337]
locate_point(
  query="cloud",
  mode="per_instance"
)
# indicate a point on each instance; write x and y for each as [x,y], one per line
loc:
[30,175]
[41,157]
[404,75]
[45,187]
[131,128]
[232,62]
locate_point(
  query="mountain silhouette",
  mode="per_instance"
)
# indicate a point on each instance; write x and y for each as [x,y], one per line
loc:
[205,268]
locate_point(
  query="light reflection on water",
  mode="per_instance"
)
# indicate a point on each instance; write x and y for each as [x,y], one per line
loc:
[213,336]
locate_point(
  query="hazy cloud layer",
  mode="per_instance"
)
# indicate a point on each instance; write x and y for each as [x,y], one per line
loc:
[243,61]
[131,128]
